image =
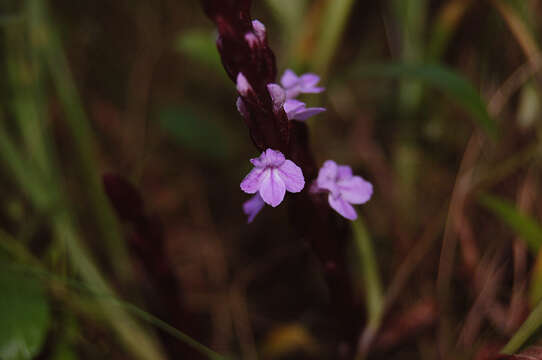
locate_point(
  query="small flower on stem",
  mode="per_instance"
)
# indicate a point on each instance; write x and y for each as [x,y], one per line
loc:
[294,109]
[242,84]
[272,176]
[344,188]
[298,110]
[295,85]
[259,30]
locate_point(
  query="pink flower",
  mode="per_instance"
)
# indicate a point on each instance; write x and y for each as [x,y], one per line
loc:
[272,176]
[295,85]
[343,187]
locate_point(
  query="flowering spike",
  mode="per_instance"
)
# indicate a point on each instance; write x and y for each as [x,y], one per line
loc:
[272,176]
[344,188]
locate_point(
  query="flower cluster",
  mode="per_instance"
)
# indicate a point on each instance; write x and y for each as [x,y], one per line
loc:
[273,174]
[275,117]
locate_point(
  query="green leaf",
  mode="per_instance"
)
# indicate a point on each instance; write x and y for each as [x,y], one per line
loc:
[524,225]
[529,327]
[371,277]
[442,78]
[199,46]
[196,133]
[24,314]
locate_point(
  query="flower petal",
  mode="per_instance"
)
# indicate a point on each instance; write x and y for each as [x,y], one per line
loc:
[273,157]
[342,207]
[344,172]
[327,176]
[355,190]
[252,207]
[272,188]
[289,78]
[291,107]
[292,175]
[304,114]
[253,181]
[308,80]
[259,161]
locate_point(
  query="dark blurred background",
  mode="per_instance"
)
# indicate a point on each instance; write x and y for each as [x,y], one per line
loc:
[121,154]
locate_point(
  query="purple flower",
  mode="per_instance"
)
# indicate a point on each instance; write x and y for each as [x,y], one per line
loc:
[272,176]
[344,188]
[252,207]
[295,85]
[294,109]
[298,110]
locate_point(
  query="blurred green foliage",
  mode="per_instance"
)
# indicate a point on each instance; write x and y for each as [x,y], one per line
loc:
[60,130]
[25,314]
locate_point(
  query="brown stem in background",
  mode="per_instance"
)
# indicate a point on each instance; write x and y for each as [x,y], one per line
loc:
[526,197]
[449,242]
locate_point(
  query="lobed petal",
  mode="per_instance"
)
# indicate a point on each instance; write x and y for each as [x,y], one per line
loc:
[273,157]
[308,80]
[293,91]
[355,190]
[252,207]
[259,161]
[289,79]
[253,181]
[327,176]
[272,188]
[344,172]
[342,207]
[291,107]
[304,114]
[292,175]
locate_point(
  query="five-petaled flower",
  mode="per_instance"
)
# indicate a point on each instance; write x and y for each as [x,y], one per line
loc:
[295,85]
[344,188]
[272,176]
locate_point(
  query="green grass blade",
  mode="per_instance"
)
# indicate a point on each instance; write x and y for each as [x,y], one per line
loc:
[528,229]
[441,78]
[332,27]
[23,260]
[527,329]
[25,314]
[371,277]
[46,43]
[524,225]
